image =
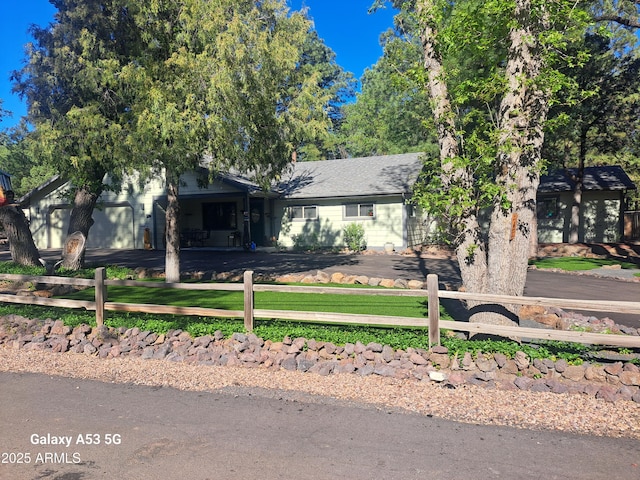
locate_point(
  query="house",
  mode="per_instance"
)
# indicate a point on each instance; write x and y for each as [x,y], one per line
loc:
[309,206]
[602,207]
[5,185]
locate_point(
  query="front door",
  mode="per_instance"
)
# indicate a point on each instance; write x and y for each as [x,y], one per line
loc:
[256,217]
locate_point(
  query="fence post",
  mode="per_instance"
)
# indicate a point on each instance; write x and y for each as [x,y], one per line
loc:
[101,294]
[434,309]
[248,300]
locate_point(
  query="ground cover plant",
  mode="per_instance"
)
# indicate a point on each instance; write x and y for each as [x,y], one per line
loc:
[572,264]
[274,330]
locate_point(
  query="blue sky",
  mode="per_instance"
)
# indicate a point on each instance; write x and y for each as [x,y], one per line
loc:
[344,25]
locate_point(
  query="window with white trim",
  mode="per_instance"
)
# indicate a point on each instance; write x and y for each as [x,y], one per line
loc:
[303,212]
[359,210]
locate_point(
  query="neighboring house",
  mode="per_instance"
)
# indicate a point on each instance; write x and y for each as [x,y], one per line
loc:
[5,181]
[309,207]
[601,211]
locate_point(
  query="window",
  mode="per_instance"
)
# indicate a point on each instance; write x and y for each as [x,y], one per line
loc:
[303,212]
[412,210]
[354,210]
[547,207]
[219,216]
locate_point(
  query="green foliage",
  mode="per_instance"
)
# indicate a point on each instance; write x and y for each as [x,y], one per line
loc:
[306,242]
[223,80]
[594,119]
[274,330]
[389,113]
[354,237]
[579,263]
[75,95]
[397,338]
[16,269]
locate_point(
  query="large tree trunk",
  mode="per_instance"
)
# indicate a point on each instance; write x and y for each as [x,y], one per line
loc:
[81,221]
[172,216]
[498,264]
[23,249]
[523,112]
[470,247]
[578,180]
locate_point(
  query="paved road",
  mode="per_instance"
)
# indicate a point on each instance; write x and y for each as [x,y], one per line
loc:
[162,433]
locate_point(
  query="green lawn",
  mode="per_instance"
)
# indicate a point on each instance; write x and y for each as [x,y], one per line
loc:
[572,264]
[414,307]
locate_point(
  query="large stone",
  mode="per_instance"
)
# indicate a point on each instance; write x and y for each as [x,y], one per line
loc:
[595,373]
[59,328]
[607,393]
[531,311]
[574,373]
[417,359]
[523,383]
[290,363]
[614,368]
[486,364]
[522,360]
[440,359]
[549,320]
[337,277]
[388,353]
[629,378]
[400,283]
[384,370]
[437,376]
[323,277]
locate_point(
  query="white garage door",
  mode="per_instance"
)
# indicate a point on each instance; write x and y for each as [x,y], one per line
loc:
[113,227]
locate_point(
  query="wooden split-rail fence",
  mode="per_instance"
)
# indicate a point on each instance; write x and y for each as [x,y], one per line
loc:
[432,294]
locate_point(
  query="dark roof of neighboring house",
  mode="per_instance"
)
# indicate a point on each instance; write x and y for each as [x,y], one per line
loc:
[380,175]
[5,180]
[595,178]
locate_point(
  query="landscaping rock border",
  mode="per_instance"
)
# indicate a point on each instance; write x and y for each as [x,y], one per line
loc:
[609,381]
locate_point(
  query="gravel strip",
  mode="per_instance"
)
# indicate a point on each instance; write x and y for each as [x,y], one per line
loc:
[563,412]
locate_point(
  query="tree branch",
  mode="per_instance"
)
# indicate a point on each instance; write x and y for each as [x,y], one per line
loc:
[627,22]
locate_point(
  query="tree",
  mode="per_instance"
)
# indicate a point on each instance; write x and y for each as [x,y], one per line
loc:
[77,101]
[317,60]
[17,158]
[391,113]
[600,125]
[491,72]
[220,80]
[12,220]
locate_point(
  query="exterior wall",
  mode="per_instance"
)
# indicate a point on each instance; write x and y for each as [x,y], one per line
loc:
[421,228]
[599,218]
[120,219]
[387,225]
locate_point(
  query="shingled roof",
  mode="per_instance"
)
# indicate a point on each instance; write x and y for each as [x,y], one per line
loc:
[380,175]
[609,178]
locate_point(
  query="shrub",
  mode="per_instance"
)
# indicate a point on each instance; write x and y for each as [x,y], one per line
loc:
[354,237]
